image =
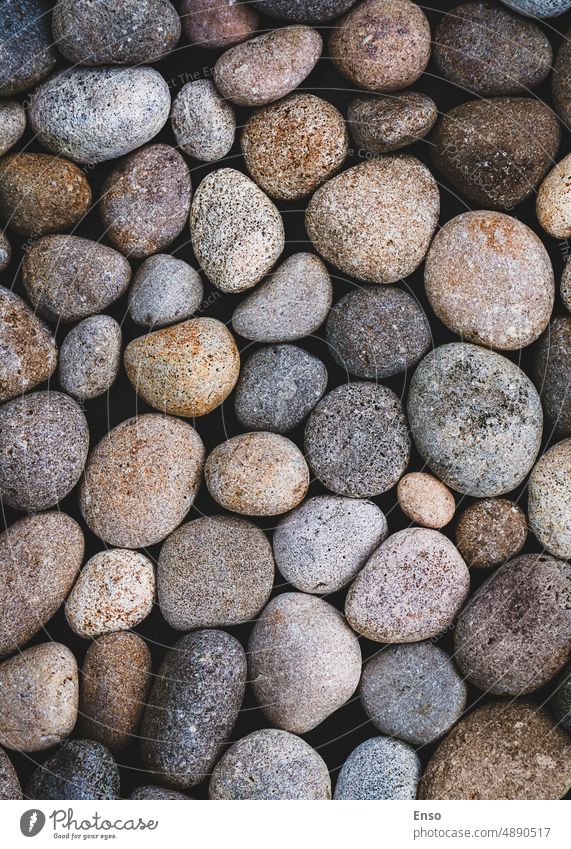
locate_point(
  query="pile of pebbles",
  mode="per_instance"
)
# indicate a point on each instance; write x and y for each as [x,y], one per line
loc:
[285,420]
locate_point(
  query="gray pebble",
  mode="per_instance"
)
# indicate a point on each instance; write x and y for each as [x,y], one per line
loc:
[9,782]
[379,768]
[321,545]
[204,124]
[391,122]
[165,290]
[551,368]
[27,54]
[12,124]
[539,8]
[549,500]
[561,702]
[304,11]
[356,440]
[413,692]
[90,357]
[566,286]
[152,791]
[81,769]
[5,252]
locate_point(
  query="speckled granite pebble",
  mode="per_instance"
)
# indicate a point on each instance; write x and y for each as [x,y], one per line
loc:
[321,545]
[379,768]
[193,706]
[539,8]
[356,440]
[304,661]
[204,124]
[9,782]
[141,479]
[164,290]
[425,500]
[549,500]
[490,531]
[551,372]
[27,53]
[561,702]
[381,124]
[218,24]
[28,352]
[5,252]
[553,204]
[270,765]
[278,388]
[44,441]
[566,286]
[304,10]
[561,80]
[82,769]
[90,357]
[475,418]
[151,791]
[12,124]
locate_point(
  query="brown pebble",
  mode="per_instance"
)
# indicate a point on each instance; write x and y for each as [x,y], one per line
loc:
[425,500]
[490,531]
[9,782]
[381,124]
[217,24]
[561,80]
[553,205]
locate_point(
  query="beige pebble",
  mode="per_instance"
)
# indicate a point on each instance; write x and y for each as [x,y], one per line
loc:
[549,500]
[425,500]
[553,205]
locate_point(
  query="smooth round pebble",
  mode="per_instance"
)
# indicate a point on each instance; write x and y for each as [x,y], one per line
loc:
[551,371]
[258,474]
[381,124]
[28,351]
[413,692]
[9,781]
[549,500]
[304,10]
[159,794]
[5,252]
[379,768]
[321,545]
[164,290]
[561,80]
[82,769]
[12,124]
[475,418]
[553,204]
[270,765]
[27,52]
[278,388]
[203,123]
[90,357]
[356,440]
[218,24]
[539,8]
[561,702]
[425,500]
[304,661]
[490,532]
[44,440]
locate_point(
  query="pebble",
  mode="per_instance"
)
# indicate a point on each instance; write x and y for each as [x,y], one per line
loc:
[413,692]
[503,750]
[203,123]
[321,545]
[40,558]
[549,500]
[551,371]
[425,500]
[140,480]
[9,782]
[68,278]
[375,221]
[496,152]
[185,370]
[193,706]
[356,440]
[237,233]
[95,114]
[475,418]
[304,10]
[381,124]
[12,124]
[257,474]
[382,45]
[561,81]
[28,351]
[486,49]
[270,765]
[377,332]
[304,661]
[490,532]
[151,791]
[38,697]
[539,8]
[514,634]
[164,290]
[561,702]
[5,252]
[41,194]
[107,33]
[566,286]
[115,591]
[291,304]
[44,440]
[278,388]
[291,147]
[269,66]
[489,279]
[82,769]
[90,357]
[214,572]
[411,588]
[217,24]
[27,53]
[379,768]
[114,686]
[553,205]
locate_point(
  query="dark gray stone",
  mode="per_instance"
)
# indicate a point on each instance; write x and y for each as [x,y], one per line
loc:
[26,51]
[299,11]
[81,769]
[551,369]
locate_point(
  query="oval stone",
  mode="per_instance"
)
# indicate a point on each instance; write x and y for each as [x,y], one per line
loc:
[28,351]
[549,500]
[551,371]
[381,124]
[218,24]
[425,500]
[90,357]
[379,768]
[164,290]
[204,124]
[12,124]
[27,52]
[490,531]
[81,770]
[553,205]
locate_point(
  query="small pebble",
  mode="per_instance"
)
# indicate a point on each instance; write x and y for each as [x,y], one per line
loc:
[379,768]
[140,480]
[214,572]
[218,24]
[551,371]
[549,500]
[539,8]
[561,80]
[382,45]
[44,440]
[159,794]
[269,66]
[257,474]
[82,769]
[425,500]
[5,252]
[203,123]
[12,124]
[356,440]
[375,221]
[321,545]
[475,418]
[278,388]
[27,52]
[291,304]
[304,661]
[566,286]
[237,233]
[411,588]
[164,290]
[381,124]
[304,10]
[561,702]
[270,765]
[68,278]
[90,357]
[293,146]
[489,279]
[115,591]
[41,194]
[188,369]
[490,532]
[193,706]
[553,205]
[413,692]
[9,782]
[38,698]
